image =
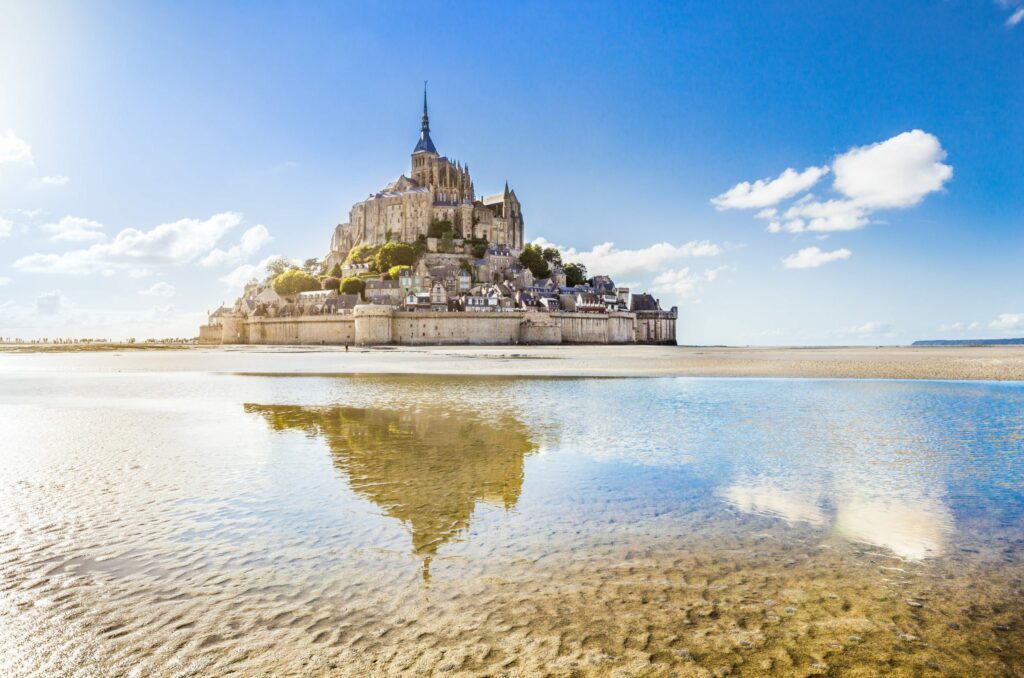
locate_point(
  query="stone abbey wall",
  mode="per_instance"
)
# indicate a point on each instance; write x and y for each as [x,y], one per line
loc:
[330,329]
[595,328]
[414,328]
[371,325]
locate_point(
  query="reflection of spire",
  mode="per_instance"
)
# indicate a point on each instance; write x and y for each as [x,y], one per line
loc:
[428,469]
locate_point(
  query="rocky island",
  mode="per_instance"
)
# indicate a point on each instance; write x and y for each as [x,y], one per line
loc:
[425,260]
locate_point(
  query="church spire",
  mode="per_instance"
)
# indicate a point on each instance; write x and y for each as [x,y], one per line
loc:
[425,128]
[425,143]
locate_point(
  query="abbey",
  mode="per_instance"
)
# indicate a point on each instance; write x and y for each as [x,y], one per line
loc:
[437,190]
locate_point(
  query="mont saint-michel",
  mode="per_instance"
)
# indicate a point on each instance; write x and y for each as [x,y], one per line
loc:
[426,260]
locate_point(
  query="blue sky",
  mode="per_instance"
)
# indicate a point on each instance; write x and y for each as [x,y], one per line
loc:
[191,124]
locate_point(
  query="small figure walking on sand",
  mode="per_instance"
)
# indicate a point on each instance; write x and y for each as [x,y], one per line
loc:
[346,348]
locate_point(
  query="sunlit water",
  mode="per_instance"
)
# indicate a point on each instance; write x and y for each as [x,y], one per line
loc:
[185,523]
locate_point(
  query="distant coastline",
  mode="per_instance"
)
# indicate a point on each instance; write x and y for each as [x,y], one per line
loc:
[970,342]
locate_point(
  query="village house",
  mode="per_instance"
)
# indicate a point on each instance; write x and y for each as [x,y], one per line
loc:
[589,302]
[438,297]
[386,292]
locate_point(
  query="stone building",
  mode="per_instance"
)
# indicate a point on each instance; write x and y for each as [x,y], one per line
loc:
[437,190]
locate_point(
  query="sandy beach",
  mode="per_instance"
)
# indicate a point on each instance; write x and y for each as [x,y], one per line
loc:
[997,363]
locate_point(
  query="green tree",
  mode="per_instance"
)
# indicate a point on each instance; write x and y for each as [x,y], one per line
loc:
[294,281]
[479,248]
[552,256]
[575,274]
[533,259]
[354,285]
[335,271]
[447,243]
[311,266]
[437,228]
[394,254]
[276,267]
[360,254]
[395,272]
[330,283]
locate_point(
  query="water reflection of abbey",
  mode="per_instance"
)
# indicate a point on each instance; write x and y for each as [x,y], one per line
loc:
[427,468]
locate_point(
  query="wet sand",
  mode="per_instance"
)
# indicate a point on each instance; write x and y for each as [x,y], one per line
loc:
[996,363]
[164,517]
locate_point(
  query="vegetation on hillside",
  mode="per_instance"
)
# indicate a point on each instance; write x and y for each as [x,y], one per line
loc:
[393,254]
[575,274]
[294,281]
[532,258]
[354,285]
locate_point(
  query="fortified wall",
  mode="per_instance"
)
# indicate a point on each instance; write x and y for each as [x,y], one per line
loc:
[372,325]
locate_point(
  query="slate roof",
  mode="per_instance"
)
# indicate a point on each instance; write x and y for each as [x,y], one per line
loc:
[643,302]
[425,144]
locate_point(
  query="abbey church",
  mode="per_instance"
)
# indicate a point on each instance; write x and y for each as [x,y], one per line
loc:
[437,190]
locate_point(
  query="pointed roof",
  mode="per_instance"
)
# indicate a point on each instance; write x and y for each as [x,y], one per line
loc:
[425,144]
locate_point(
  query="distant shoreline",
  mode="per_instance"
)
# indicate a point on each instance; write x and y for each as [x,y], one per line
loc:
[990,363]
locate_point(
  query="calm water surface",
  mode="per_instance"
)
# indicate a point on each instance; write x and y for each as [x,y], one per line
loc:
[183,523]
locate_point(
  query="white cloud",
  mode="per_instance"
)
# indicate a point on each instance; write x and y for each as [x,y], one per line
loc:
[55,180]
[50,303]
[1015,18]
[1008,321]
[237,278]
[897,172]
[176,243]
[4,281]
[6,227]
[831,215]
[870,328]
[606,259]
[159,289]
[813,257]
[250,243]
[14,150]
[768,192]
[683,283]
[75,229]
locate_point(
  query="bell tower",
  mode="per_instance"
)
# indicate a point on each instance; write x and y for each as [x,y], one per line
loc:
[424,155]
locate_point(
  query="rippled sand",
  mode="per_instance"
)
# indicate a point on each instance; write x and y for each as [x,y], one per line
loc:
[177,523]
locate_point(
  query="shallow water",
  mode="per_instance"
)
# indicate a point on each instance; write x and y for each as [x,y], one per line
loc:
[193,522]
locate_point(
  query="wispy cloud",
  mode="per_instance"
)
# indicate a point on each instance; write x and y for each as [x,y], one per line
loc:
[870,328]
[1007,322]
[1016,8]
[813,257]
[768,192]
[74,229]
[14,149]
[159,289]
[55,180]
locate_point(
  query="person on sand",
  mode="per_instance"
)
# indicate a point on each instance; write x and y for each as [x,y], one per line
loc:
[346,348]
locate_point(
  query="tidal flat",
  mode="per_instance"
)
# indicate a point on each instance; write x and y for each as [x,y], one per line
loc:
[281,512]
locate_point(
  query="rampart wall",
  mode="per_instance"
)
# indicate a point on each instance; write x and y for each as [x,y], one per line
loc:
[371,325]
